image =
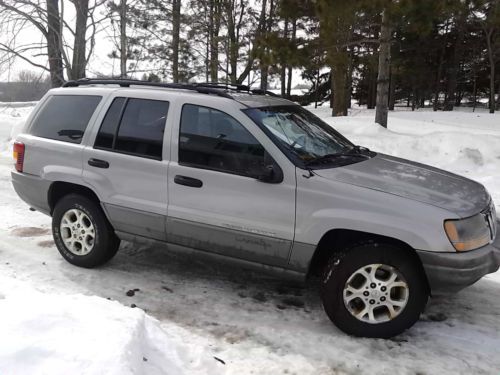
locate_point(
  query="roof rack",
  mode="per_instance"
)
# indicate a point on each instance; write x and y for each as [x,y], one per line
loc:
[214,88]
[133,82]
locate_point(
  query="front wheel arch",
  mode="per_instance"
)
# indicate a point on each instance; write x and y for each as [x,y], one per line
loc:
[336,241]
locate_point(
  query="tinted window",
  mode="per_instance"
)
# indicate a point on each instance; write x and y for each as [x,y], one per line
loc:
[214,140]
[109,124]
[140,123]
[65,117]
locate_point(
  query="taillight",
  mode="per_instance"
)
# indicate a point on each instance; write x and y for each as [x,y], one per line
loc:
[19,155]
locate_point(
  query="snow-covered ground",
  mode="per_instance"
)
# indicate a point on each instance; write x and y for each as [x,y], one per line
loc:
[193,316]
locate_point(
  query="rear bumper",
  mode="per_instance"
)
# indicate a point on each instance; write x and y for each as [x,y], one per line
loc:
[451,272]
[33,190]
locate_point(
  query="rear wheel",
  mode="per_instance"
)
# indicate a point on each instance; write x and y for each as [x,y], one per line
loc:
[374,290]
[82,233]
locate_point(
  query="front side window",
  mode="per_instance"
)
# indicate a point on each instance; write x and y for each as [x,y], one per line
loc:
[65,117]
[134,126]
[211,139]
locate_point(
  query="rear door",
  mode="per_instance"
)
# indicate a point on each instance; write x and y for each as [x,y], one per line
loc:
[216,203]
[124,163]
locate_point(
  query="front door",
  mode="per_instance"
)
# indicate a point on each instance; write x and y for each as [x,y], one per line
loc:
[216,203]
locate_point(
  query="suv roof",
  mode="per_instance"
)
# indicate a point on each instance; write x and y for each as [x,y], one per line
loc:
[241,93]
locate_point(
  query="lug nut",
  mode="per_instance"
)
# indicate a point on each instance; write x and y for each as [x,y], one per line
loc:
[383,289]
[382,299]
[372,302]
[366,294]
[373,285]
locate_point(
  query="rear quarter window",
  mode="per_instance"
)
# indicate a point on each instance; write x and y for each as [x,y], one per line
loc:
[65,117]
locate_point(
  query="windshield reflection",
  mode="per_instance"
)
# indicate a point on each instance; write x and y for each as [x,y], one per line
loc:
[302,133]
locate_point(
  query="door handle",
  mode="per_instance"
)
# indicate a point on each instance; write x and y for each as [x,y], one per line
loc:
[188,181]
[98,163]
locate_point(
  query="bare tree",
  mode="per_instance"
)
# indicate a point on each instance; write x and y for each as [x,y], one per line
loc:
[384,69]
[47,17]
[123,39]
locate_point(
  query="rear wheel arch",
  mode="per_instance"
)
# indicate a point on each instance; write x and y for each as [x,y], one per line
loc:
[59,189]
[337,240]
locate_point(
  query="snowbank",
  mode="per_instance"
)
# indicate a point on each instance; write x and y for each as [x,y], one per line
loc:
[77,334]
[12,118]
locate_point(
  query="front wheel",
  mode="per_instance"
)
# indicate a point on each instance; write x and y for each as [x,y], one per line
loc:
[374,290]
[82,233]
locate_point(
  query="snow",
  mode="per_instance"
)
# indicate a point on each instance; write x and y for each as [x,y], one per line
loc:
[59,319]
[77,334]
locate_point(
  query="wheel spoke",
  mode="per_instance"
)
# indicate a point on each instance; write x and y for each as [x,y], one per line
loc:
[77,232]
[397,303]
[392,312]
[371,315]
[362,313]
[372,299]
[373,272]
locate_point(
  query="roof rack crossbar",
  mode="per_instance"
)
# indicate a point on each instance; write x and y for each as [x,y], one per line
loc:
[237,87]
[133,82]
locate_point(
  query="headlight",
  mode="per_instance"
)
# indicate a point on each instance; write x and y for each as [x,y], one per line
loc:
[468,234]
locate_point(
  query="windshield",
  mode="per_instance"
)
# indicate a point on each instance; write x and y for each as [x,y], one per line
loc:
[302,133]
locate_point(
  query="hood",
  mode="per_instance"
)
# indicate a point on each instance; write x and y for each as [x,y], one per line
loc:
[414,181]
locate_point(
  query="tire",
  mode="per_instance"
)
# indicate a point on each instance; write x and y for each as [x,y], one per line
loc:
[347,291]
[76,215]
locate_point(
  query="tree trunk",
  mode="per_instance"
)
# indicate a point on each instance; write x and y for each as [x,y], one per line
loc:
[455,63]
[214,28]
[176,24]
[123,39]
[54,43]
[384,64]
[232,44]
[498,97]
[392,90]
[492,71]
[290,69]
[348,88]
[79,63]
[283,62]
[264,66]
[339,85]
[437,85]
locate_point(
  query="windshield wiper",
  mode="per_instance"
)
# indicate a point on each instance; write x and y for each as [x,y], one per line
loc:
[359,150]
[355,152]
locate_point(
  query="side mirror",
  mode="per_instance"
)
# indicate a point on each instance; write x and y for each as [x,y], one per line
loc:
[271,174]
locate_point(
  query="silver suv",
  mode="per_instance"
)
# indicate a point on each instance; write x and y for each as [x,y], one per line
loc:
[248,176]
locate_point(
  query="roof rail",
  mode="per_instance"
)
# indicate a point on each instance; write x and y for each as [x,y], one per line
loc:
[237,87]
[134,82]
[214,88]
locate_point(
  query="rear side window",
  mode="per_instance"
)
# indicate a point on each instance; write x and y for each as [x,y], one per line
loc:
[134,126]
[65,117]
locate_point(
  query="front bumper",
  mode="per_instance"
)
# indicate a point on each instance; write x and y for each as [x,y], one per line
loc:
[451,272]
